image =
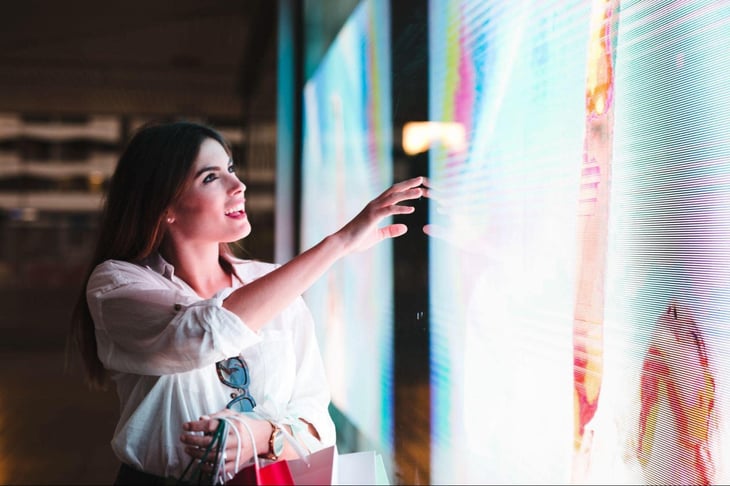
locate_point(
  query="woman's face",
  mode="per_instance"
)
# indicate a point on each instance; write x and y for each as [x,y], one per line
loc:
[211,208]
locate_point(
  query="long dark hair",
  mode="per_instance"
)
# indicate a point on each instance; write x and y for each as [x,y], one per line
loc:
[150,175]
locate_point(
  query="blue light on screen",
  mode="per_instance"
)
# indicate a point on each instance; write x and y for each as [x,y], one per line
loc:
[347,161]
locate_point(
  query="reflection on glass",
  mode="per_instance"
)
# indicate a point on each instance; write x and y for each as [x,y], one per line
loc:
[677,403]
[593,211]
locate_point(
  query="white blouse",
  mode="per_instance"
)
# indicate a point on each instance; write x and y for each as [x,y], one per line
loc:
[160,341]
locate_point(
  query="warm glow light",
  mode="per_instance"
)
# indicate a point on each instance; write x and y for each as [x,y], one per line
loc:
[96,179]
[418,136]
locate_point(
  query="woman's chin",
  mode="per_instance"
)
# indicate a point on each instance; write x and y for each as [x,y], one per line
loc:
[245,231]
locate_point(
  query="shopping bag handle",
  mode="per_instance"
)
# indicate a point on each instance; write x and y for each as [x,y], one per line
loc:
[301,452]
[295,444]
[256,463]
[215,446]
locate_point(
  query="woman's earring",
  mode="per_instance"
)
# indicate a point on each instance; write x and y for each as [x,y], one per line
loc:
[170,220]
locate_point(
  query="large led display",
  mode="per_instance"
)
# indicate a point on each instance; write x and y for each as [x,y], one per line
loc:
[580,265]
[347,161]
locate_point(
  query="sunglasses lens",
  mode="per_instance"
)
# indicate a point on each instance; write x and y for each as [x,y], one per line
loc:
[242,403]
[233,372]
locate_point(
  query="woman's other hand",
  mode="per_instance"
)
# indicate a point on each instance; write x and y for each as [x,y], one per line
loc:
[198,434]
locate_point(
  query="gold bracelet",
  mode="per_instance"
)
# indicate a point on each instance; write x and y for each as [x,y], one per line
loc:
[276,443]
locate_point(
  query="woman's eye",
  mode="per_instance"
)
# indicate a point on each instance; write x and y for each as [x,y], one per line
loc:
[209,178]
[231,169]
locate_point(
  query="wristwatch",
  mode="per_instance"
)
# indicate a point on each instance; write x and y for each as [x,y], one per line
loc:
[276,443]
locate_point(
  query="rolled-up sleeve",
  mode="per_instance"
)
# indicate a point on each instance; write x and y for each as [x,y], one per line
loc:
[146,325]
[310,396]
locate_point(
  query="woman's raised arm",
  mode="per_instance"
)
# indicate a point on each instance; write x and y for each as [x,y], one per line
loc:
[259,301]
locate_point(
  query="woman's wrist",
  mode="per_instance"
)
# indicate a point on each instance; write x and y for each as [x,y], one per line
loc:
[335,244]
[274,447]
[262,437]
[261,430]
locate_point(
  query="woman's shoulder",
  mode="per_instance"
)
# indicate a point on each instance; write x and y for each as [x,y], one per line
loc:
[112,266]
[113,273]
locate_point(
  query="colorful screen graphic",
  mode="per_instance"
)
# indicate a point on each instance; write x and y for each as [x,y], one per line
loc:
[347,161]
[580,285]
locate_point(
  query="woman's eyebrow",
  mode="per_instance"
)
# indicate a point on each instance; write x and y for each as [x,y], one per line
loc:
[206,169]
[212,167]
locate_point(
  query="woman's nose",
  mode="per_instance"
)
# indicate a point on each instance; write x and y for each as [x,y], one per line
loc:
[238,186]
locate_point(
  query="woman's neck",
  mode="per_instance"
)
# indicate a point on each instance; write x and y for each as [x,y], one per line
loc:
[199,267]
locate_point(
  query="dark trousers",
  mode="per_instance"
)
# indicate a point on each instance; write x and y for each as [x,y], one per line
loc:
[128,476]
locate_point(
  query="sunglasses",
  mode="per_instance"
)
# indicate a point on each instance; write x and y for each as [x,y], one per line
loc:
[233,372]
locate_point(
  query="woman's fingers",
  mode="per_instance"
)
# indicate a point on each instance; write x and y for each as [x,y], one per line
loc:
[393,231]
[226,412]
[404,185]
[194,440]
[206,425]
[392,198]
[412,182]
[197,435]
[197,447]
[410,188]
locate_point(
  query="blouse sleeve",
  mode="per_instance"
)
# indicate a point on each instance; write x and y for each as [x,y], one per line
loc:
[145,325]
[311,395]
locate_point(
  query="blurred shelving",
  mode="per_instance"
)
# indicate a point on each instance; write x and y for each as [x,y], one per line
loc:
[53,174]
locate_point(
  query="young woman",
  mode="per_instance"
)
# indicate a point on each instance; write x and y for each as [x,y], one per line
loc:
[185,329]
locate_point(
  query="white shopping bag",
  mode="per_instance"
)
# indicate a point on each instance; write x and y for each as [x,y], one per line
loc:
[361,468]
[317,468]
[326,467]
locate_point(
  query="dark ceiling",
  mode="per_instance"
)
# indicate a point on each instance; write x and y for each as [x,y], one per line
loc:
[213,58]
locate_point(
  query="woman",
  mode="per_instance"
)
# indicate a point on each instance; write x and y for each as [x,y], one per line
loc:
[184,328]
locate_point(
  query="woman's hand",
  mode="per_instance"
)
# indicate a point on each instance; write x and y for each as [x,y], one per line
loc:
[362,232]
[198,435]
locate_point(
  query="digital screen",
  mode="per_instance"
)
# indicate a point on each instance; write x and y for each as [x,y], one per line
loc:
[580,280]
[347,161]
[285,245]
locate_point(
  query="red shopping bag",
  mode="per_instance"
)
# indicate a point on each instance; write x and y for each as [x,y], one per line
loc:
[318,468]
[276,473]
